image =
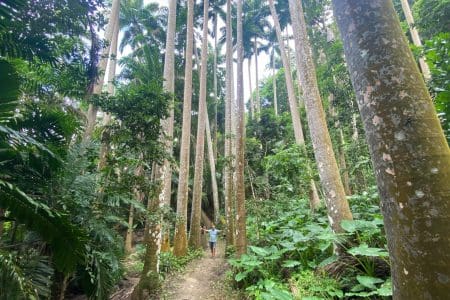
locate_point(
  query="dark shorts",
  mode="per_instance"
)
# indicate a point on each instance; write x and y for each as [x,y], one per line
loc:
[212,245]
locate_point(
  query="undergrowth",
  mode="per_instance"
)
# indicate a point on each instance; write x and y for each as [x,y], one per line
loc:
[168,264]
[290,253]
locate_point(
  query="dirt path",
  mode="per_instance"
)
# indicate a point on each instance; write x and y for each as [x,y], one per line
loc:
[203,279]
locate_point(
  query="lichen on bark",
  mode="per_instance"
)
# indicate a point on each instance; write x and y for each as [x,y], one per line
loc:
[410,155]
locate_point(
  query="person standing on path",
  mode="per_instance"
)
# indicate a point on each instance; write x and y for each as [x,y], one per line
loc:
[213,232]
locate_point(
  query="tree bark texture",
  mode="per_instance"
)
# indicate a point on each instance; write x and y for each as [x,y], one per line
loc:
[295,114]
[194,234]
[336,202]
[168,85]
[180,238]
[274,83]
[241,231]
[409,152]
[92,110]
[111,91]
[298,132]
[212,165]
[252,101]
[257,100]
[228,179]
[216,99]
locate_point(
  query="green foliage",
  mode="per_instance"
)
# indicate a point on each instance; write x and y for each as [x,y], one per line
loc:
[437,51]
[311,285]
[432,17]
[291,247]
[24,276]
[169,263]
[288,172]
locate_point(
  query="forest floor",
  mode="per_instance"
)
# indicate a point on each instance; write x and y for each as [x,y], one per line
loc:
[203,279]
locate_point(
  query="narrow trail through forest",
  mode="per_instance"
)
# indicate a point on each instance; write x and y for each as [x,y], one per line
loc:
[203,278]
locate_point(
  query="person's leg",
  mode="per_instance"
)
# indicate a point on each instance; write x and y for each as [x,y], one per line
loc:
[211,247]
[214,250]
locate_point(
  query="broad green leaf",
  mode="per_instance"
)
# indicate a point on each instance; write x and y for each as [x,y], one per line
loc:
[259,251]
[365,250]
[290,263]
[328,261]
[385,289]
[369,281]
[240,276]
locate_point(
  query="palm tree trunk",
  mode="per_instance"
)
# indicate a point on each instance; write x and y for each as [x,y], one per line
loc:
[228,180]
[252,101]
[314,199]
[241,230]
[194,235]
[180,238]
[111,77]
[274,83]
[168,84]
[216,99]
[212,165]
[129,234]
[409,151]
[168,124]
[153,234]
[298,132]
[92,110]
[336,201]
[257,100]
[343,164]
[415,38]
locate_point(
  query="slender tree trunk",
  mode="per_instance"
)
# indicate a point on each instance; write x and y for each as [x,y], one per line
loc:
[415,37]
[216,99]
[355,135]
[168,84]
[295,115]
[274,83]
[257,100]
[92,110]
[194,235]
[337,205]
[129,234]
[111,91]
[180,239]
[212,164]
[409,151]
[343,163]
[298,132]
[241,230]
[149,281]
[252,101]
[228,180]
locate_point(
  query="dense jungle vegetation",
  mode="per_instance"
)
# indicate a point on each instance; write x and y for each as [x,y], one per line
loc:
[125,125]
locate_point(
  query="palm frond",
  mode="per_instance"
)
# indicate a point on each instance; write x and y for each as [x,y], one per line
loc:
[56,229]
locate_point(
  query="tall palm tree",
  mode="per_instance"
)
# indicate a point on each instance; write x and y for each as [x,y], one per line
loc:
[241,231]
[142,24]
[336,201]
[295,115]
[194,236]
[149,278]
[216,11]
[180,238]
[228,182]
